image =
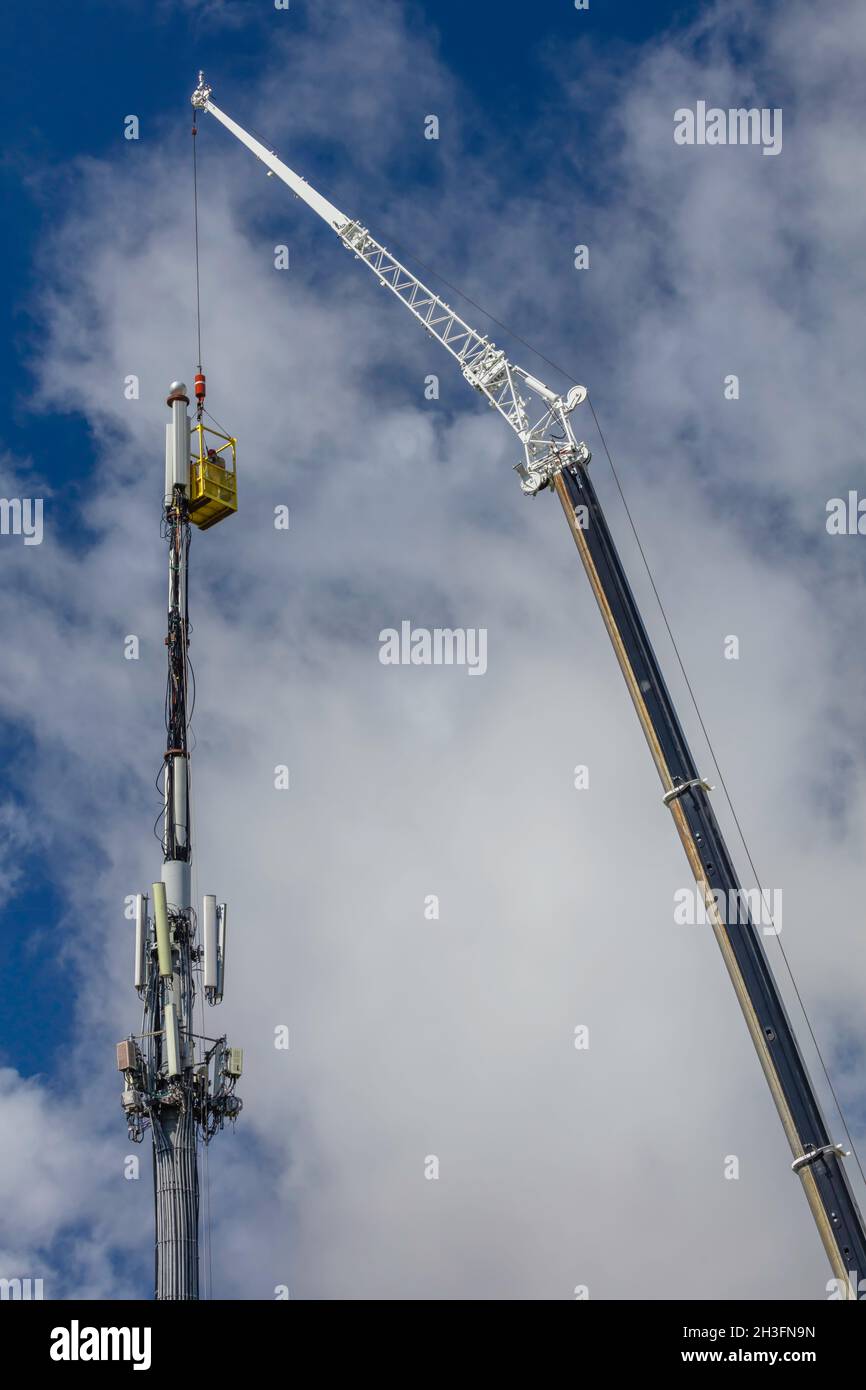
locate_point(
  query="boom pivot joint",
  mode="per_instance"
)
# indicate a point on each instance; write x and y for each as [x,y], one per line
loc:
[541,471]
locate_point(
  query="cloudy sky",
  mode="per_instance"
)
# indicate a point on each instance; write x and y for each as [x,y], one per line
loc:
[602,1167]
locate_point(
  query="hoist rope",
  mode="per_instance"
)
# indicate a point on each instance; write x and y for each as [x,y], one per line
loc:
[724,786]
[680,663]
[727,795]
[195,215]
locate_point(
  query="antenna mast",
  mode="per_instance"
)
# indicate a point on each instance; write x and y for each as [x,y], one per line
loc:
[177,1081]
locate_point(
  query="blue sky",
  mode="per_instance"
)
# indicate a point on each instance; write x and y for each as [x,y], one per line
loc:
[96,62]
[102,62]
[555,129]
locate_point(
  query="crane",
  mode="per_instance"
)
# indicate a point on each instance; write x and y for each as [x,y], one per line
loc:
[554,459]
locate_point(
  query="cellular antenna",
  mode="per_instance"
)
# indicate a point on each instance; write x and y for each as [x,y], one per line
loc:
[177,1081]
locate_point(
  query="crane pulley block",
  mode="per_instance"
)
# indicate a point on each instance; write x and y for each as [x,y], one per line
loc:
[213,488]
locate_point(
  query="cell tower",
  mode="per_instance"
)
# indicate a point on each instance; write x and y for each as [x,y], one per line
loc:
[178,1081]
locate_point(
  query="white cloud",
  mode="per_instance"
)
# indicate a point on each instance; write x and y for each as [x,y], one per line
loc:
[454,1038]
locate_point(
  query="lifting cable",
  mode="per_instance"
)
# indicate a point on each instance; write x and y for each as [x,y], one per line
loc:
[727,795]
[195,214]
[680,663]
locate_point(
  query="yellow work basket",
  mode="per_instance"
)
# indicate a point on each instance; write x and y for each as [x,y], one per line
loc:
[213,484]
